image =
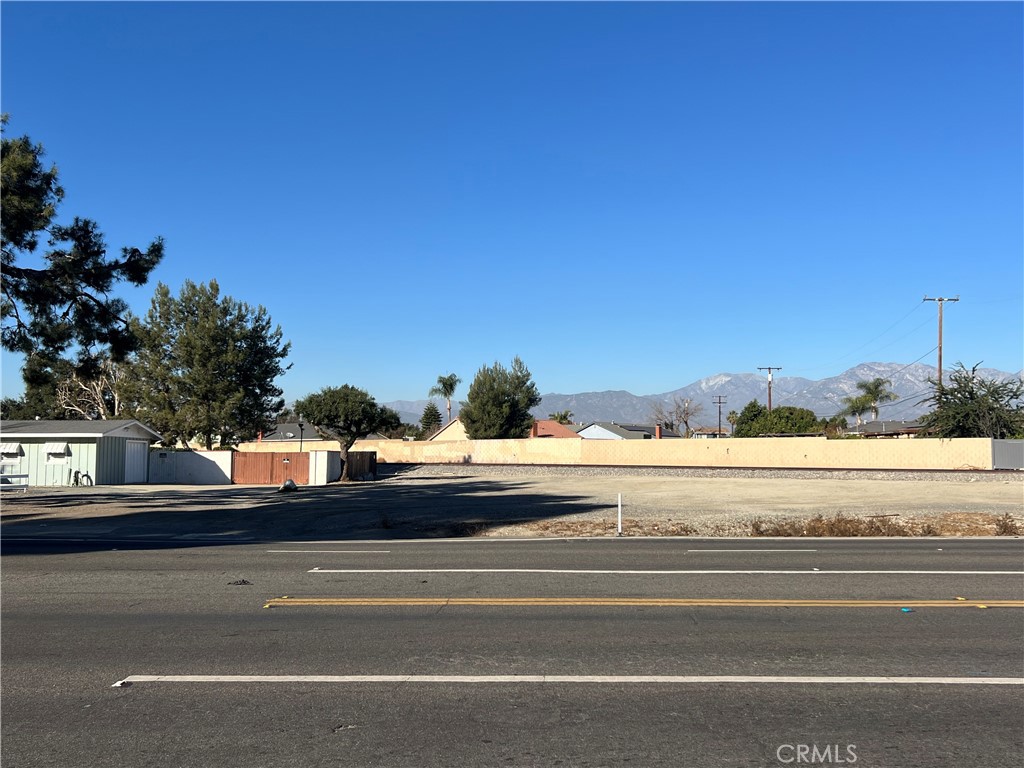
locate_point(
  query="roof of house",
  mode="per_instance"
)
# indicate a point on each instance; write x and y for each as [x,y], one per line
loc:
[710,431]
[632,431]
[290,431]
[72,428]
[885,428]
[551,428]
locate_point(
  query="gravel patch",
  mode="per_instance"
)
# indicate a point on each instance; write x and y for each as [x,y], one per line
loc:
[390,471]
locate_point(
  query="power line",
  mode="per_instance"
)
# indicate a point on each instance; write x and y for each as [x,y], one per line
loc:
[872,340]
[882,405]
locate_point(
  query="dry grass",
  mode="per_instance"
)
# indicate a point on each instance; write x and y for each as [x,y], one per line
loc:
[594,528]
[840,525]
[943,524]
[1007,526]
[946,524]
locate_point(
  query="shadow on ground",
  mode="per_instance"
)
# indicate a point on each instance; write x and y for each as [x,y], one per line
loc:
[89,519]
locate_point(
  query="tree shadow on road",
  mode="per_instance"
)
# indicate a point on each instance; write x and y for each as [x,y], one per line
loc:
[402,507]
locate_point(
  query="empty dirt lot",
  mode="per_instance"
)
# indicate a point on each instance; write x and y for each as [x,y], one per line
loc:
[441,500]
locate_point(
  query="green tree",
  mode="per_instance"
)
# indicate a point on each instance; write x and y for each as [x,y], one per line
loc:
[430,421]
[445,388]
[207,366]
[756,420]
[751,413]
[970,405]
[875,392]
[562,417]
[346,414]
[42,376]
[499,402]
[64,305]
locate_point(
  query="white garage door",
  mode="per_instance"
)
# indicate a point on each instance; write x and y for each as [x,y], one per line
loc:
[136,459]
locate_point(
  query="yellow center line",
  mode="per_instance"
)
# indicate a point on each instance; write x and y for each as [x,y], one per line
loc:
[637,602]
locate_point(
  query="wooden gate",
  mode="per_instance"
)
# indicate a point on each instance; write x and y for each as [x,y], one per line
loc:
[270,468]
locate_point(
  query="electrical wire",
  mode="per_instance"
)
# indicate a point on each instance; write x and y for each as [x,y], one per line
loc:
[881,405]
[871,341]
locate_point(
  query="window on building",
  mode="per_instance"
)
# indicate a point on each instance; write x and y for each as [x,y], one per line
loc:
[56,453]
[10,453]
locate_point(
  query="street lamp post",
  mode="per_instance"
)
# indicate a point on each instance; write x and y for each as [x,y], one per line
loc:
[301,425]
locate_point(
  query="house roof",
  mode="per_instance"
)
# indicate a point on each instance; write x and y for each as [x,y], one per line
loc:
[632,431]
[551,428]
[885,428]
[289,430]
[71,428]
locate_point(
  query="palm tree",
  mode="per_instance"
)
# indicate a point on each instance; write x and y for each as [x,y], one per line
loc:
[562,417]
[876,391]
[856,406]
[445,388]
[732,418]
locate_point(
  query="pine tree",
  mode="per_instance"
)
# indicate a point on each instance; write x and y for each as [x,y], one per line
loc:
[66,304]
[207,366]
[499,402]
[430,421]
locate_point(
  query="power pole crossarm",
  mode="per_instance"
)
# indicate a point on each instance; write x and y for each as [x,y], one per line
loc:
[770,368]
[940,301]
[719,400]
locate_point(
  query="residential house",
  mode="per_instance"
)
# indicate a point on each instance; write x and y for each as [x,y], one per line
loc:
[453,430]
[58,453]
[609,430]
[551,428]
[885,429]
[705,433]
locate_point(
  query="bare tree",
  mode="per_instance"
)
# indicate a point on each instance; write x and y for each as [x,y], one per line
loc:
[679,412]
[96,398]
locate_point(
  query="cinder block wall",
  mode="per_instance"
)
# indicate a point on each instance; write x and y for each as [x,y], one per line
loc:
[768,452]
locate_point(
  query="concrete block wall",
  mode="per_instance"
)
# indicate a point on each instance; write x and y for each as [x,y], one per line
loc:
[789,453]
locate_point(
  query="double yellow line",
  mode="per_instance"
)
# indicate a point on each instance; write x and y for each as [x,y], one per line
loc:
[639,602]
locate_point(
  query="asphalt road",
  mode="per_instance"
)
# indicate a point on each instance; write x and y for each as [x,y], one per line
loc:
[643,652]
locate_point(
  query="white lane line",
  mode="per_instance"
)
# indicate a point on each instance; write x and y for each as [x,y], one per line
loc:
[751,550]
[655,573]
[607,679]
[332,551]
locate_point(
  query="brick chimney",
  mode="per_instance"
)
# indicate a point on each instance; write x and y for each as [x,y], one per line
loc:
[534,430]
[657,431]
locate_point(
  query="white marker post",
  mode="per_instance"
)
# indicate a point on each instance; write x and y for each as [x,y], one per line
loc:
[620,515]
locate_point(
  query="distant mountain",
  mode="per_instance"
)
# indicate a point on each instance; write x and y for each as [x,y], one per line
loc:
[824,397]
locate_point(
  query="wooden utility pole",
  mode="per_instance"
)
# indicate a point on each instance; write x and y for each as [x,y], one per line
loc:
[718,400]
[940,301]
[770,368]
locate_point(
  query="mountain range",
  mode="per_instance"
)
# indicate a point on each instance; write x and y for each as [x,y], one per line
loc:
[824,396]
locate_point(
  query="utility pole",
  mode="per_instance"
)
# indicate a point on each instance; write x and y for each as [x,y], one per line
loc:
[940,301]
[770,368]
[719,400]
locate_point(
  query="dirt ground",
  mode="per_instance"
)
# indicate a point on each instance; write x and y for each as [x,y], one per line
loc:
[476,501]
[727,506]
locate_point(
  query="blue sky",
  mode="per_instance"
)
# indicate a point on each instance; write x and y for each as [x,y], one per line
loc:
[628,196]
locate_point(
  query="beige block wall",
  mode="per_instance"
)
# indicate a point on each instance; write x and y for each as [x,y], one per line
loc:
[289,446]
[790,453]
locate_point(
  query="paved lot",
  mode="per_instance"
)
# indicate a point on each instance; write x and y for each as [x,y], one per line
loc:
[481,501]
